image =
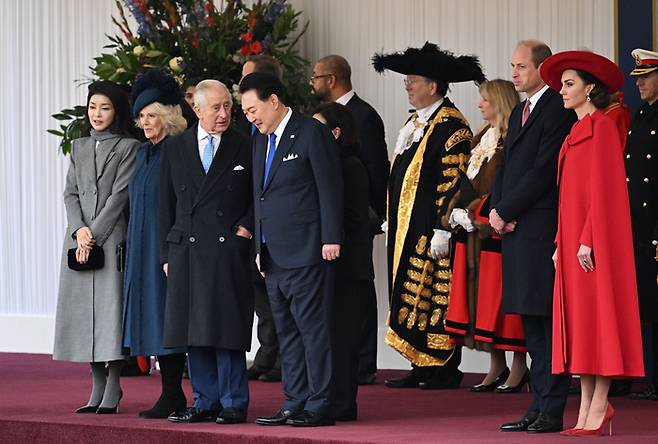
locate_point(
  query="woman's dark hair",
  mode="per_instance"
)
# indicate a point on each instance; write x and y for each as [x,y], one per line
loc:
[339,116]
[122,123]
[599,96]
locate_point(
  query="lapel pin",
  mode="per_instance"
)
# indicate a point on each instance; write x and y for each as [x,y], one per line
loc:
[292,136]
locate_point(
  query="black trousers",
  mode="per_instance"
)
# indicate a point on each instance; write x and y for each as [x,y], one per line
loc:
[350,306]
[549,391]
[267,356]
[300,299]
[369,330]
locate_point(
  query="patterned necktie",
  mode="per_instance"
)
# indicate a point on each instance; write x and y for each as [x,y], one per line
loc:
[207,154]
[270,157]
[526,112]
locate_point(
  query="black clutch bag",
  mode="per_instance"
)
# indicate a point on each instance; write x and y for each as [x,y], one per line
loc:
[95,262]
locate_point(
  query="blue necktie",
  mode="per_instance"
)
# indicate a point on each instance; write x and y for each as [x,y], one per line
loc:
[207,154]
[270,157]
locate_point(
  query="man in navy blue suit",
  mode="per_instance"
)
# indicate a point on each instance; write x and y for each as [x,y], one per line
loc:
[298,209]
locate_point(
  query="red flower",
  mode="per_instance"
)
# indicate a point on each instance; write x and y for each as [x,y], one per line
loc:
[256,47]
[245,50]
[209,6]
[247,36]
[251,21]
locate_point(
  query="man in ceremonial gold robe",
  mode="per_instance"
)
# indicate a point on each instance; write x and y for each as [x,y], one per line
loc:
[431,149]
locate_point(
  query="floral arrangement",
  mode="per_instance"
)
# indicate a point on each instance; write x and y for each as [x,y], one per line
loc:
[194,39]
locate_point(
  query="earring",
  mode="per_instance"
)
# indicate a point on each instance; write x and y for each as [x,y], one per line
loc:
[587,97]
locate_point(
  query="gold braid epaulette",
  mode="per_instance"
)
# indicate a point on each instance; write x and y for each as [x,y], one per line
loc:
[448,112]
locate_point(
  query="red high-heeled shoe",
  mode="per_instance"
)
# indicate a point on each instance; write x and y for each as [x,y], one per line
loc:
[607,422]
[569,432]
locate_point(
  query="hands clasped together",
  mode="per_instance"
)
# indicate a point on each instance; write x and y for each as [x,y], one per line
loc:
[86,241]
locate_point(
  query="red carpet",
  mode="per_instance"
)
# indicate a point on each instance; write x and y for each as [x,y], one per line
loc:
[38,396]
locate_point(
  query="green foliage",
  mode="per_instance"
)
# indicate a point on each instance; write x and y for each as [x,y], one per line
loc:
[192,39]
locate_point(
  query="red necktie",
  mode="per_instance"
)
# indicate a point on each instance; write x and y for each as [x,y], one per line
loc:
[526,112]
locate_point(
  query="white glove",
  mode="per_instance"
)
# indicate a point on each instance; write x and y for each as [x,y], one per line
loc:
[440,244]
[459,216]
[384,226]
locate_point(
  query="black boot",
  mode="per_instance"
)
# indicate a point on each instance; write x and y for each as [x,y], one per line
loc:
[172,398]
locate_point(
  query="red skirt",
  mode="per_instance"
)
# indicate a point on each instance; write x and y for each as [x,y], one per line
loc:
[502,331]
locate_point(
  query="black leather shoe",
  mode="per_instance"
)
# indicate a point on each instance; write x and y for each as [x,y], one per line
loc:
[310,419]
[520,425]
[442,382]
[253,372]
[647,395]
[193,414]
[367,378]
[274,375]
[279,418]
[515,388]
[410,381]
[545,424]
[231,416]
[479,388]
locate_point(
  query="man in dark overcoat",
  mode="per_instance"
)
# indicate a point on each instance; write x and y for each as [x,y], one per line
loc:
[524,210]
[331,82]
[642,178]
[206,221]
[267,362]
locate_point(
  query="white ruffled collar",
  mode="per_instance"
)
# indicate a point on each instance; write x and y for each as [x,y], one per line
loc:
[483,151]
[413,130]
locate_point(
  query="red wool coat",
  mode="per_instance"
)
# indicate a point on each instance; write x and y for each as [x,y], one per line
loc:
[596,322]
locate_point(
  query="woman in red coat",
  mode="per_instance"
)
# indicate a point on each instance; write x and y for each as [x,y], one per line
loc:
[596,323]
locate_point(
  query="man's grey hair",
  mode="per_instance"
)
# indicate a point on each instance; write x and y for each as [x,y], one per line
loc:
[205,85]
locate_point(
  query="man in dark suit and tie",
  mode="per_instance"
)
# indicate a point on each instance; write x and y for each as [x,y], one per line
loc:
[524,211]
[206,221]
[298,195]
[331,82]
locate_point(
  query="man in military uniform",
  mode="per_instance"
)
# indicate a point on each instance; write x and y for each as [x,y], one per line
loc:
[432,147]
[641,172]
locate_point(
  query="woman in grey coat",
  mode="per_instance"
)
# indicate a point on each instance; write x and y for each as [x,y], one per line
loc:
[88,323]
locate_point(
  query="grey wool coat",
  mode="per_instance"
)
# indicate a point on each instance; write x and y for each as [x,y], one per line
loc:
[88,322]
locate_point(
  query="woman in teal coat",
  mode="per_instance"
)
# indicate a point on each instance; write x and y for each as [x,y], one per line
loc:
[155,109]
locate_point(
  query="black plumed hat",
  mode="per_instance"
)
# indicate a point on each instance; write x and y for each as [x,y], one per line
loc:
[154,85]
[432,62]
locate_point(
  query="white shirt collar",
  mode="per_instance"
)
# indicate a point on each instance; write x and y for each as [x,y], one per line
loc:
[282,126]
[202,136]
[536,96]
[425,113]
[345,97]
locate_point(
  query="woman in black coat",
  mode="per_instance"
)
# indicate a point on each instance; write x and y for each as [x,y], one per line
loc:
[354,267]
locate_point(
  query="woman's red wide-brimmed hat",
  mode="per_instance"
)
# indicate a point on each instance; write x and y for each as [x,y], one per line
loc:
[600,67]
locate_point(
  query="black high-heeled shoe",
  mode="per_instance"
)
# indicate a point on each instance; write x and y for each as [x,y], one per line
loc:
[87,409]
[516,388]
[110,410]
[480,388]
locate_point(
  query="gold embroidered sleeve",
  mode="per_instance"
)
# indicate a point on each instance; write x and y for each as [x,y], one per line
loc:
[453,163]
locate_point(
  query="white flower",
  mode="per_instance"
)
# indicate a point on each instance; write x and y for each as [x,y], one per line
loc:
[176,64]
[138,50]
[236,58]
